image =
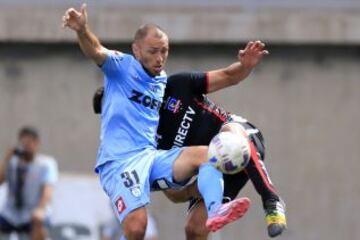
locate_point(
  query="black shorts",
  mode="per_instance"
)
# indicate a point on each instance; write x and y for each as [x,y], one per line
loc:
[233,183]
[7,227]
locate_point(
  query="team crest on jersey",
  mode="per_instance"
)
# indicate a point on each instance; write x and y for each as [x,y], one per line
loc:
[120,205]
[135,191]
[173,105]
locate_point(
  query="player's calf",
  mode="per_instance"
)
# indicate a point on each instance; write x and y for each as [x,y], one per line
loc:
[195,228]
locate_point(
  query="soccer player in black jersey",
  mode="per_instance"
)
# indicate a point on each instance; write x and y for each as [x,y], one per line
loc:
[187,118]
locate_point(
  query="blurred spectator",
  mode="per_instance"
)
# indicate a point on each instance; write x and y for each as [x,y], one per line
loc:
[30,177]
[112,229]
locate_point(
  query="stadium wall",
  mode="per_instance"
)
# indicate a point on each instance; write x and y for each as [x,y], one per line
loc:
[273,21]
[304,98]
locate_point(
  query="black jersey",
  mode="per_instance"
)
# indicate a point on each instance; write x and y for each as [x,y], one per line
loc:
[188,117]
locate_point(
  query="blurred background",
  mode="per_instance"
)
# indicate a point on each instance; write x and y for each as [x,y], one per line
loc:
[304,96]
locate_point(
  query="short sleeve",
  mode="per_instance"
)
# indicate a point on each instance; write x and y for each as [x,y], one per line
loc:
[50,172]
[115,63]
[197,83]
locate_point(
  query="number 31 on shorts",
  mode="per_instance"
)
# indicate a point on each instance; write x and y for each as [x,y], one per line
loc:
[130,178]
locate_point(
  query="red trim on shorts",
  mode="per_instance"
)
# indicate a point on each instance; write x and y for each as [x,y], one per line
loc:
[254,157]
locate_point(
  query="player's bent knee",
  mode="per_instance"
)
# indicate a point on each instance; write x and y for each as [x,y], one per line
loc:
[135,225]
[136,230]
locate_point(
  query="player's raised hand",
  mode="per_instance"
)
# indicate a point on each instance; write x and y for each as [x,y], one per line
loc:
[75,20]
[252,54]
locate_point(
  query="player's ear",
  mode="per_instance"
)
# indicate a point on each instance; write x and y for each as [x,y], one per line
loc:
[136,50]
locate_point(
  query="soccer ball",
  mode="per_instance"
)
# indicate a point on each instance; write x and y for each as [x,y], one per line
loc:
[229,152]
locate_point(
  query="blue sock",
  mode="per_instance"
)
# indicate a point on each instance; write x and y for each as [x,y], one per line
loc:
[211,186]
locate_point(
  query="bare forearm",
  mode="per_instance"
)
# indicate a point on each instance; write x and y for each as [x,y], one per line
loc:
[89,43]
[248,59]
[225,77]
[91,46]
[45,196]
[236,72]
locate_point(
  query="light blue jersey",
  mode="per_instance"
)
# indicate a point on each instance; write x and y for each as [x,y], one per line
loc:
[130,108]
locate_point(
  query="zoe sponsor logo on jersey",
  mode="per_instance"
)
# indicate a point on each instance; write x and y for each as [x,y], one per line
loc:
[184,127]
[120,205]
[173,105]
[145,100]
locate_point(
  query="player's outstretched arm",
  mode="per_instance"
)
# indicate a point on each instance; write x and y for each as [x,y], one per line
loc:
[248,57]
[89,43]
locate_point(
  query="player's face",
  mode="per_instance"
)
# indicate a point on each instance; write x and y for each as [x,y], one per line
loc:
[29,143]
[152,52]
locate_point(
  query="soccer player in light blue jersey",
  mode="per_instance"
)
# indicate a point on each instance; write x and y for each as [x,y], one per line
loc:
[128,163]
